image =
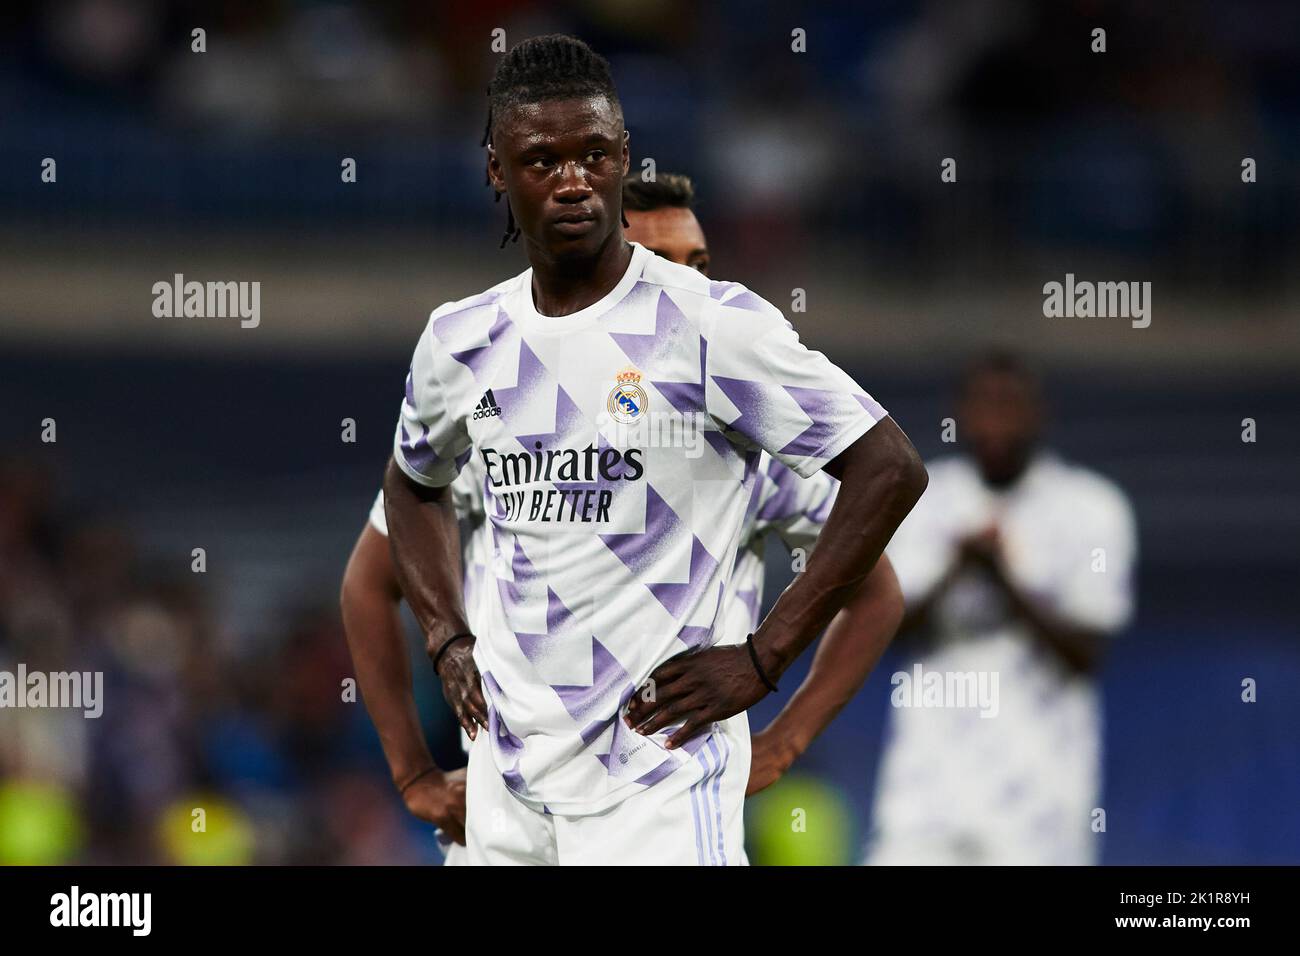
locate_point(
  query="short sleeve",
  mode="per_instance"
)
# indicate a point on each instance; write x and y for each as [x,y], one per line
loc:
[1097,589]
[431,443]
[767,390]
[378,520]
[794,508]
[467,491]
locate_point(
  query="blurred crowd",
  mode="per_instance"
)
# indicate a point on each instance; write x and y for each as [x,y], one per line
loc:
[255,734]
[1135,150]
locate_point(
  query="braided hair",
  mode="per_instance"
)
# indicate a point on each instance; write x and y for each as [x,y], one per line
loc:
[551,67]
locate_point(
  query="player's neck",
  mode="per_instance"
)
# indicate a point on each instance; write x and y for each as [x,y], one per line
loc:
[562,287]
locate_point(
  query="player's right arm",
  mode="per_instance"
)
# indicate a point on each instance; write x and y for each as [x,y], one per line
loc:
[369,600]
[425,540]
[430,446]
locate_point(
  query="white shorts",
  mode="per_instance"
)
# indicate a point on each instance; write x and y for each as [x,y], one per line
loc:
[693,817]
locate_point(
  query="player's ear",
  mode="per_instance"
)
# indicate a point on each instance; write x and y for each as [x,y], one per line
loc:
[495,178]
[627,151]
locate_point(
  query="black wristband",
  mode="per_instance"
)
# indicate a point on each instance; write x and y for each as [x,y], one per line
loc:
[753,656]
[423,773]
[446,644]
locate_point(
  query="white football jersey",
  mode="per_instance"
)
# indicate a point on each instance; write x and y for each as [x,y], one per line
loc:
[792,508]
[620,447]
[1012,778]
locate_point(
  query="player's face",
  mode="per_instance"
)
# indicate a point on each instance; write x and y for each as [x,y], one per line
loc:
[671,232]
[562,163]
[999,420]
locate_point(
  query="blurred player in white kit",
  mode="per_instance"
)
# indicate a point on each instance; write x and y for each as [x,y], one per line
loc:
[1016,566]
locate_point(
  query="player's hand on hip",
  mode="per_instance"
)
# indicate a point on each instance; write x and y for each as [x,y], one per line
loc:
[439,799]
[463,687]
[694,689]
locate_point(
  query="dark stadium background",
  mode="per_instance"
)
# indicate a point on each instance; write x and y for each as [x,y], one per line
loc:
[817,171]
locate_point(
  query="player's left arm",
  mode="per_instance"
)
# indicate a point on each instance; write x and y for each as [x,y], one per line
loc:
[767,390]
[881,478]
[845,656]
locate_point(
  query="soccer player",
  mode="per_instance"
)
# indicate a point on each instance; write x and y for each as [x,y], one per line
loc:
[626,411]
[660,217]
[1018,566]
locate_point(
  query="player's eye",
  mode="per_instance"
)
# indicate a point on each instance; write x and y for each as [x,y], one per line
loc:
[595,156]
[539,162]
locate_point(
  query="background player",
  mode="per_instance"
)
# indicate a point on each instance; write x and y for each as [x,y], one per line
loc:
[660,217]
[1018,565]
[591,604]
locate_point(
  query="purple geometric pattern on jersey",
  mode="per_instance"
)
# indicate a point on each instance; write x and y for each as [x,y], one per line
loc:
[694,636]
[758,404]
[750,302]
[537,647]
[472,358]
[640,550]
[679,598]
[525,584]
[749,598]
[568,419]
[783,502]
[721,444]
[579,700]
[584,702]
[516,399]
[464,322]
[826,409]
[418,454]
[754,400]
[822,510]
[508,747]
[686,396]
[719,287]
[752,457]
[646,349]
[870,404]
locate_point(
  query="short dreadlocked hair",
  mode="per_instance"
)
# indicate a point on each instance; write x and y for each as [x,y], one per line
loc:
[551,67]
[665,190]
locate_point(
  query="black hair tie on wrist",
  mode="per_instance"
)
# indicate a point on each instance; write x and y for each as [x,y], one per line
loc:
[446,644]
[753,656]
[419,776]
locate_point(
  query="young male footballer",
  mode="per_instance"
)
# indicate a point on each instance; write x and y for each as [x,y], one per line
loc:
[626,409]
[660,216]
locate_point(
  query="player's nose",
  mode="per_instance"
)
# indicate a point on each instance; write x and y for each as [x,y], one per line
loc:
[572,184]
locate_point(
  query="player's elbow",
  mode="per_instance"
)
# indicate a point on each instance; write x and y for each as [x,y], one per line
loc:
[369,580]
[882,598]
[906,475]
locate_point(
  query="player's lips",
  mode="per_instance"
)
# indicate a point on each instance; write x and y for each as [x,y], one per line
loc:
[574,223]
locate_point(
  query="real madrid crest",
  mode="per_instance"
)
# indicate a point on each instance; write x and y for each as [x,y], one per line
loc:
[627,400]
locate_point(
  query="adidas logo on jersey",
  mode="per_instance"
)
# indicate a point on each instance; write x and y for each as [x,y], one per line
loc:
[487,406]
